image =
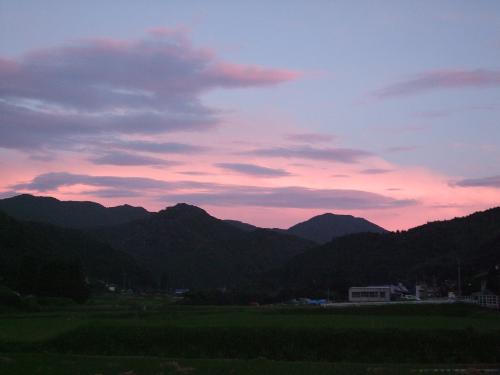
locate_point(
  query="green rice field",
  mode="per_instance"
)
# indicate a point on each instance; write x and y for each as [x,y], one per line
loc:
[393,339]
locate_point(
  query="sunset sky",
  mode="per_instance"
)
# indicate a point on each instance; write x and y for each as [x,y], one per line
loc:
[268,112]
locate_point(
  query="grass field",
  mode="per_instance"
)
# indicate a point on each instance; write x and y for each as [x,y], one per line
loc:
[50,364]
[247,340]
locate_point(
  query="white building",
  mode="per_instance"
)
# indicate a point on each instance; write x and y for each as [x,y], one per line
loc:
[370,294]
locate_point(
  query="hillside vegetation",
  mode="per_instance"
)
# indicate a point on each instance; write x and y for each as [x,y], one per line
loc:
[30,252]
[186,247]
[430,253]
[71,214]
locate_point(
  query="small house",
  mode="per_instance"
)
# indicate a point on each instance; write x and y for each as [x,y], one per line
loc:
[370,294]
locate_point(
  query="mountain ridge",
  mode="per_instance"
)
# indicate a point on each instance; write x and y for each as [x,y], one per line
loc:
[88,214]
[45,243]
[323,228]
[430,252]
[187,247]
[70,214]
[184,246]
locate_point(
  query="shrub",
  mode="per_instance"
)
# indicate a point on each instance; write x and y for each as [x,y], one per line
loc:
[9,298]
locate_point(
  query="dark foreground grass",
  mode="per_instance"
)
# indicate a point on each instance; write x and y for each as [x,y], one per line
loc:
[388,334]
[382,346]
[49,364]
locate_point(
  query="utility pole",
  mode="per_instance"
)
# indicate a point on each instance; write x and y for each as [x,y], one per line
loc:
[124,279]
[328,289]
[459,289]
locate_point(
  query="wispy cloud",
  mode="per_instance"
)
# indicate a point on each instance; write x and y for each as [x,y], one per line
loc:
[292,197]
[441,79]
[253,170]
[310,137]
[160,147]
[53,181]
[128,159]
[401,148]
[343,155]
[112,193]
[431,114]
[57,96]
[194,173]
[492,182]
[215,194]
[8,194]
[375,171]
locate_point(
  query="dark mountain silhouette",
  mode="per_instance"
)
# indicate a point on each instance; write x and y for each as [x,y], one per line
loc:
[84,215]
[186,247]
[183,246]
[321,228]
[241,225]
[71,214]
[27,247]
[324,228]
[431,252]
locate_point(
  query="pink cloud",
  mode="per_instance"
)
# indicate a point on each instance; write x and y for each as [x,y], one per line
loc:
[420,196]
[307,190]
[164,31]
[237,75]
[118,103]
[442,79]
[490,181]
[342,155]
[310,137]
[8,67]
[157,73]
[62,95]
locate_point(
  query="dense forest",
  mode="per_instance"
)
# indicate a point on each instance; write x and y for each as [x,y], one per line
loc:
[33,255]
[184,247]
[430,253]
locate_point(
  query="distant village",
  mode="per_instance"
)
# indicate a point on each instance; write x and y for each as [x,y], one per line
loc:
[450,292]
